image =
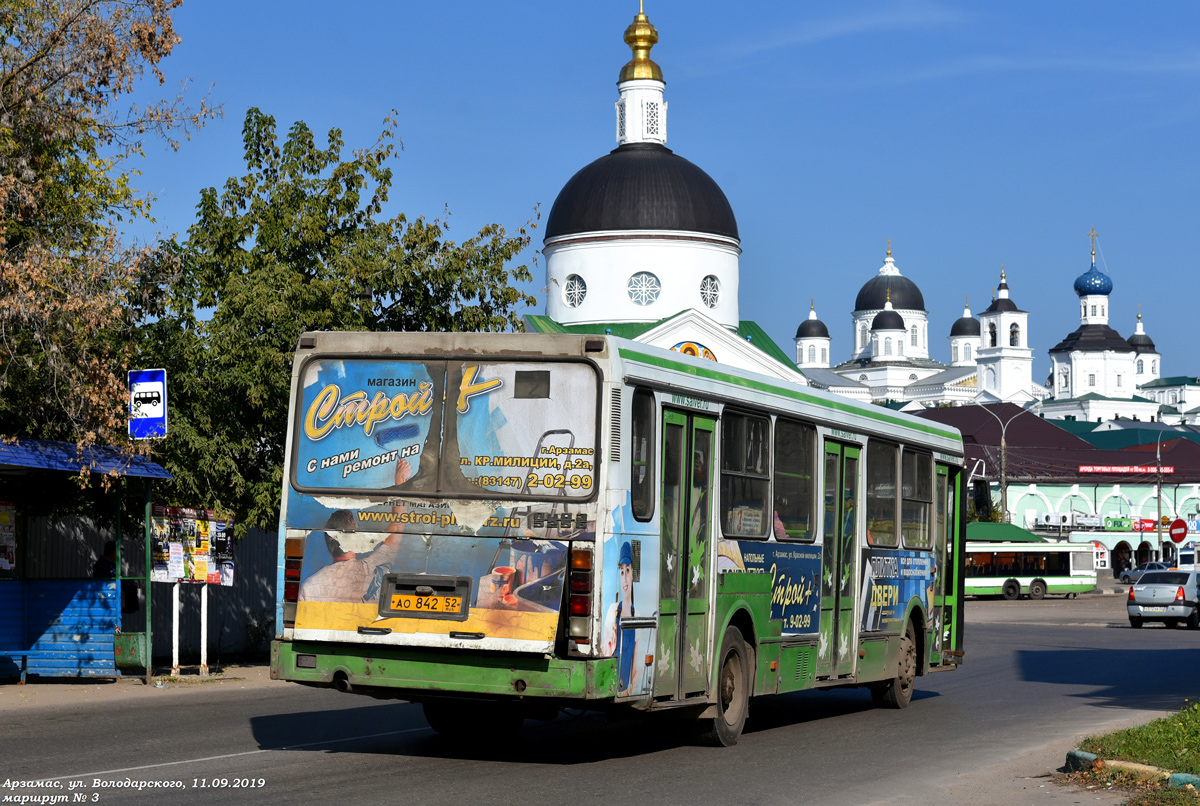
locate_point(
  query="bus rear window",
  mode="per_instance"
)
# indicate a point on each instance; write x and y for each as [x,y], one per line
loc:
[462,428]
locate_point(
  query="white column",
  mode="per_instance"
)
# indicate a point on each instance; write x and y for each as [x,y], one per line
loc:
[204,630]
[175,628]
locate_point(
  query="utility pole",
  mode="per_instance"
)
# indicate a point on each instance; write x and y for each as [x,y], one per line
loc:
[1003,456]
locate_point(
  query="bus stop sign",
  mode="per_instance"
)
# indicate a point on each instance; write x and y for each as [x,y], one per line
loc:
[1178,530]
[147,403]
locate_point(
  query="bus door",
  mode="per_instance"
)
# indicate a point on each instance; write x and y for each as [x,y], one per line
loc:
[839,562]
[687,463]
[945,561]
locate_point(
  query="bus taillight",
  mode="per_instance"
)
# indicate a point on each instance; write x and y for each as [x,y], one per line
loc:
[293,562]
[580,601]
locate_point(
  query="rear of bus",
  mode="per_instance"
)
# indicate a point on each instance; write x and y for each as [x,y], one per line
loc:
[440,503]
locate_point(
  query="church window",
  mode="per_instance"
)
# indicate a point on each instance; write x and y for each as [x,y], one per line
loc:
[887,346]
[1064,379]
[900,346]
[862,377]
[644,288]
[621,120]
[710,291]
[574,291]
[992,334]
[1174,398]
[652,119]
[1083,309]
[991,378]
[812,354]
[1153,367]
[954,354]
[967,352]
[1014,335]
[912,377]
[1093,310]
[1140,367]
[824,355]
[1102,313]
[1091,379]
[1118,381]
[862,337]
[914,335]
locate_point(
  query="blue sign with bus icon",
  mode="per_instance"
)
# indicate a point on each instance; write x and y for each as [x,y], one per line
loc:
[147,403]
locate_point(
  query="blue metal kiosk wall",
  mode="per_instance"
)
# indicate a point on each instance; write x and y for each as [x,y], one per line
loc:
[57,627]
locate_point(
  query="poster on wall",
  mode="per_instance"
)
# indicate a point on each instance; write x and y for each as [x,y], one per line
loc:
[8,536]
[182,546]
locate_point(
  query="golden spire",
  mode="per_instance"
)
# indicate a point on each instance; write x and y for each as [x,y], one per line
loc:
[1093,235]
[889,254]
[641,36]
[966,302]
[812,305]
[889,291]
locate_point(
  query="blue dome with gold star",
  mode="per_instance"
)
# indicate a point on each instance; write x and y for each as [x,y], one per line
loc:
[1093,281]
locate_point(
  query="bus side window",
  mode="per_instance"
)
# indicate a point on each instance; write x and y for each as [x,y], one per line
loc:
[882,493]
[745,474]
[641,455]
[794,494]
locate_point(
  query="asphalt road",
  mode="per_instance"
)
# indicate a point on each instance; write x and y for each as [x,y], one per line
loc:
[1036,675]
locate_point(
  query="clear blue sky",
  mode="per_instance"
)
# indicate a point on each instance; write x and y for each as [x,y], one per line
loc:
[971,134]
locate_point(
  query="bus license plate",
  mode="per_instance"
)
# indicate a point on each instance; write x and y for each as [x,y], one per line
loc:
[426,604]
[1153,609]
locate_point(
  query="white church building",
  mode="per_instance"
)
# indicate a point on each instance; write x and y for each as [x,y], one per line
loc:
[643,244]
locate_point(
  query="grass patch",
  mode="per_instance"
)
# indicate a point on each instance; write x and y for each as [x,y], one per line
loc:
[1172,743]
[1166,797]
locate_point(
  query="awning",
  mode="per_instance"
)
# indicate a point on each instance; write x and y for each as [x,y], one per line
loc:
[983,531]
[43,454]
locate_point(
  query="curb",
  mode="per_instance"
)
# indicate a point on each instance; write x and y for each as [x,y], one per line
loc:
[1080,761]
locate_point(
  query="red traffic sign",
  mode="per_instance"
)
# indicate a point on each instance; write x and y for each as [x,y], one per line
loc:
[1178,530]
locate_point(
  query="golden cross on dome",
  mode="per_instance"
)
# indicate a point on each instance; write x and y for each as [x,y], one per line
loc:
[1093,235]
[889,254]
[966,302]
[1001,272]
[812,303]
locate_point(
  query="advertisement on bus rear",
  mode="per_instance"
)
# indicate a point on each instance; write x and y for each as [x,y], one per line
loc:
[420,430]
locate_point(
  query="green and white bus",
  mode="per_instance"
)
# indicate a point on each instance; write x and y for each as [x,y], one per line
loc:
[498,526]
[1033,569]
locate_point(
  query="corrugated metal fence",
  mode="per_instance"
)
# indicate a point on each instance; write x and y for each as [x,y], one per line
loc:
[240,617]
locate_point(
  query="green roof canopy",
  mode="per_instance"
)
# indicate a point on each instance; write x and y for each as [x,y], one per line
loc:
[983,531]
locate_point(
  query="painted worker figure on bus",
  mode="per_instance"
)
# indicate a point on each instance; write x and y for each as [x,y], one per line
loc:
[350,576]
[617,641]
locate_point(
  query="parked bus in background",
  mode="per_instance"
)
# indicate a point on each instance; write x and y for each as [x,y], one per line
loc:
[1033,569]
[502,525]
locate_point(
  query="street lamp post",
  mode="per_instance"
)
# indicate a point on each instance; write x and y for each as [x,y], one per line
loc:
[1003,456]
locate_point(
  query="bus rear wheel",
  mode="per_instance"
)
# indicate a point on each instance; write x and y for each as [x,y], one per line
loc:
[897,692]
[733,693]
[1011,590]
[1037,589]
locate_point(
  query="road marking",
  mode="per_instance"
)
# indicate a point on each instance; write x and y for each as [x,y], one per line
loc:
[235,755]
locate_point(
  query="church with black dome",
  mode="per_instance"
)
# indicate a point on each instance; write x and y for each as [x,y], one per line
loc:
[642,243]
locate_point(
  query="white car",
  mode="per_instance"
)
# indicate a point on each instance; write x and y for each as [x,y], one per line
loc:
[1167,596]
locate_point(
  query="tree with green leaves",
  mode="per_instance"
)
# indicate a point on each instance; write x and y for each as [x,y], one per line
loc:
[72,292]
[301,242]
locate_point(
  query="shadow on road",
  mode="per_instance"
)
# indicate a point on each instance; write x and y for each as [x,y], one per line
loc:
[1125,678]
[400,729]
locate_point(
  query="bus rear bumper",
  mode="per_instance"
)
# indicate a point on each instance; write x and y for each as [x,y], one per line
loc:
[417,673]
